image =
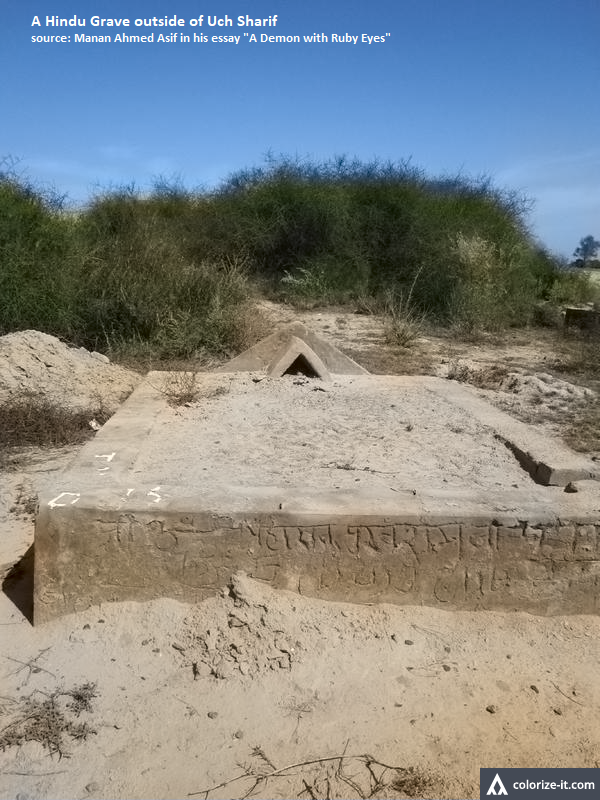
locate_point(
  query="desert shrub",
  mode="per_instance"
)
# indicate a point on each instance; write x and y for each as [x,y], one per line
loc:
[36,266]
[180,388]
[341,230]
[143,286]
[32,419]
[570,286]
[35,421]
[171,272]
[494,285]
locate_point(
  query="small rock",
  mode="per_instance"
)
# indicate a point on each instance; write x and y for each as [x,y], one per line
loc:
[213,714]
[570,488]
[221,670]
[534,688]
[238,734]
[557,711]
[492,709]
[92,787]
[86,627]
[179,647]
[408,641]
[446,648]
[446,668]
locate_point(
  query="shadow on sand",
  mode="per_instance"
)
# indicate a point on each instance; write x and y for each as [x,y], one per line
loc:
[18,584]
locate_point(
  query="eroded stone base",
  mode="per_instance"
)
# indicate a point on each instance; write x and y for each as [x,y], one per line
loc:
[88,556]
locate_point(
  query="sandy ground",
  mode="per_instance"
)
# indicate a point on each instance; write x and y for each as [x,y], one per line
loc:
[354,432]
[276,694]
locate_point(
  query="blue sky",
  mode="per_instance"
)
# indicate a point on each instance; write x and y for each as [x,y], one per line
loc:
[505,88]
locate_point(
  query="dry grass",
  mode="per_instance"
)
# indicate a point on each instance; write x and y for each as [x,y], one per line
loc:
[50,720]
[179,388]
[583,433]
[32,420]
[489,377]
[578,355]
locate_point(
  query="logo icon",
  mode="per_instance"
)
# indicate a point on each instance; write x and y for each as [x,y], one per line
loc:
[497,785]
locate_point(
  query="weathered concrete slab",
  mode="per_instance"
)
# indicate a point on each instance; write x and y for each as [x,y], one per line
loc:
[342,485]
[395,489]
[547,460]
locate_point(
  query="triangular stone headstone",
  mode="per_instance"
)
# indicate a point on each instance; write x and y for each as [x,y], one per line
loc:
[262,357]
[297,358]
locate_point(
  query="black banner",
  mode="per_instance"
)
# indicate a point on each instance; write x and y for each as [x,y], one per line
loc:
[532,784]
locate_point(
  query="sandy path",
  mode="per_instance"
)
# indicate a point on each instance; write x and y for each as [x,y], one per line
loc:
[184,695]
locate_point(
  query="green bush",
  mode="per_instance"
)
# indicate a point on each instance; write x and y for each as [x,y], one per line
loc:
[340,230]
[143,284]
[36,265]
[172,272]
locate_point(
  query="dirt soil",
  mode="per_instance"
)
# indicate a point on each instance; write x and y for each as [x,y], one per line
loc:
[271,693]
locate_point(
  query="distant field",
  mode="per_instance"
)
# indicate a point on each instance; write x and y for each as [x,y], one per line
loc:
[594,275]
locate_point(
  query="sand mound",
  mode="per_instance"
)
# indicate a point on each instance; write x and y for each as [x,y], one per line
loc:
[545,388]
[38,364]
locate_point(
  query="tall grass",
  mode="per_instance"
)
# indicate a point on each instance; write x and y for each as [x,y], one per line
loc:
[173,271]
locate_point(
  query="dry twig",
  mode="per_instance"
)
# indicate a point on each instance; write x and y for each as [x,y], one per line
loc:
[377,782]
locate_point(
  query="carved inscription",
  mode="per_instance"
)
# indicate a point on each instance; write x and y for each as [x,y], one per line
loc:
[463,566]
[456,561]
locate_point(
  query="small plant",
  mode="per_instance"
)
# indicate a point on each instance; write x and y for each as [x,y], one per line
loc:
[180,388]
[81,698]
[412,781]
[573,286]
[403,324]
[479,292]
[367,304]
[46,720]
